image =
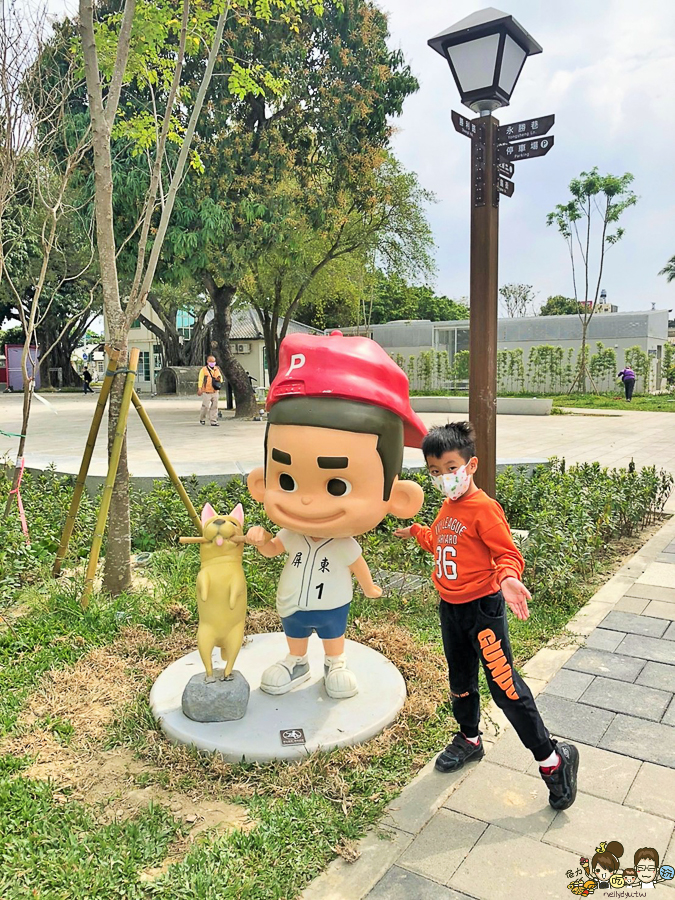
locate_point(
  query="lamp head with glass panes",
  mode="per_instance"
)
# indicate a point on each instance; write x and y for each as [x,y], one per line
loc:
[486,52]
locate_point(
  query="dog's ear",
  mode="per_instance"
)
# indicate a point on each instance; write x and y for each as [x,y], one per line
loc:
[208,513]
[238,513]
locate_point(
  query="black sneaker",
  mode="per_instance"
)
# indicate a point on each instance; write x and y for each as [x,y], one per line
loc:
[562,782]
[202,423]
[458,752]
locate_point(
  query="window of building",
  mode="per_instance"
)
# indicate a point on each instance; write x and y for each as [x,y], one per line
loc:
[136,323]
[144,366]
[184,323]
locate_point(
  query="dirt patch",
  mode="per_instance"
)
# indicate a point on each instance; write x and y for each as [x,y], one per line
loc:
[10,615]
[66,720]
[423,669]
[260,620]
[68,717]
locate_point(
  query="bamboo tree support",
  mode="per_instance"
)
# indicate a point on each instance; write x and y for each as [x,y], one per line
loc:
[86,461]
[115,454]
[170,471]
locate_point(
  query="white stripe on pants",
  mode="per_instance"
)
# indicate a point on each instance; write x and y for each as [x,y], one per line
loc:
[210,407]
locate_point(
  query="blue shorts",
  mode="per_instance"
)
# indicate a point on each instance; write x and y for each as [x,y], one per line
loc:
[328,623]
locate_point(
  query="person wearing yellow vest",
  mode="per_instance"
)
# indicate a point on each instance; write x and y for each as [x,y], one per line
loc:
[209,384]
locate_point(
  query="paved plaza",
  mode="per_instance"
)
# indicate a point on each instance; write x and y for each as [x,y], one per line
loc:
[58,434]
[487,832]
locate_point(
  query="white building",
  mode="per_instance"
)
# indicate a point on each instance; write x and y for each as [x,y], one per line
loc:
[92,356]
[246,340]
[619,331]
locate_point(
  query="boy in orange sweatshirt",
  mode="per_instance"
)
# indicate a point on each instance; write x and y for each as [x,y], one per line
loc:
[477,573]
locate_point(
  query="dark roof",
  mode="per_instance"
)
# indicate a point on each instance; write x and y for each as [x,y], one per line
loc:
[246,326]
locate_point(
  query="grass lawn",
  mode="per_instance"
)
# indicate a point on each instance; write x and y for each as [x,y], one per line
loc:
[640,402]
[95,803]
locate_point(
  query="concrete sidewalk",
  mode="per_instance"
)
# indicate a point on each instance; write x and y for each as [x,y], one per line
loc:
[487,832]
[58,433]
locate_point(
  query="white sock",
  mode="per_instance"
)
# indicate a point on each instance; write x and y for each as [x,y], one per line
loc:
[295,660]
[551,760]
[331,660]
[472,740]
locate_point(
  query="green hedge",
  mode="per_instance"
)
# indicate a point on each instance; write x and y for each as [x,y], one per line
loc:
[572,515]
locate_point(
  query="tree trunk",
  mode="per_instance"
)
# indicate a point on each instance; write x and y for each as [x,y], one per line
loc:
[244,395]
[60,356]
[198,347]
[117,572]
[271,346]
[178,351]
[27,397]
[582,371]
[117,568]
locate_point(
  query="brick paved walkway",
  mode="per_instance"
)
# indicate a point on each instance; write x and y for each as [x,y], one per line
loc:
[488,832]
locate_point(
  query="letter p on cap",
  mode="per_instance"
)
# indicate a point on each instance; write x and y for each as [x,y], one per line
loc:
[297,362]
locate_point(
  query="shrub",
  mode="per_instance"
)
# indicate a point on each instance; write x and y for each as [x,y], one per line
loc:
[572,514]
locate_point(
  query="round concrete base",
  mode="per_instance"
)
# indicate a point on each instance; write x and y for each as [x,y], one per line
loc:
[306,712]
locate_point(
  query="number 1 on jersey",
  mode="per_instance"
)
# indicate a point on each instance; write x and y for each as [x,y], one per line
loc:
[319,588]
[445,566]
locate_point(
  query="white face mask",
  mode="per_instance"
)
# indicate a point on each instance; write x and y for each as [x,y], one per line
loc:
[453,484]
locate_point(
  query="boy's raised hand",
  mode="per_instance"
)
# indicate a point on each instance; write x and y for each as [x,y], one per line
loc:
[404,533]
[516,596]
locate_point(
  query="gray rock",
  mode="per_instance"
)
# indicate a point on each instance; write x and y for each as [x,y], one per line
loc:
[219,701]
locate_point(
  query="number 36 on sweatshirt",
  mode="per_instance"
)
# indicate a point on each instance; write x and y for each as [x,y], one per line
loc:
[472,546]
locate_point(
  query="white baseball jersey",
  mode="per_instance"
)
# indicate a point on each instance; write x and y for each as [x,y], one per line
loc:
[316,574]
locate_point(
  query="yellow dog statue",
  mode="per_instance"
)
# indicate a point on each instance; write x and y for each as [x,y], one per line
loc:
[221,588]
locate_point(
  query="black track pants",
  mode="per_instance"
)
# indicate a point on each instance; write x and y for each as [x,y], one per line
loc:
[478,631]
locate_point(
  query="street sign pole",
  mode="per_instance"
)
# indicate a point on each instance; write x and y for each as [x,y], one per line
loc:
[484,304]
[494,150]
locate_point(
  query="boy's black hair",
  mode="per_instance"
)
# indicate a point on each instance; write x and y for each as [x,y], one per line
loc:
[455,436]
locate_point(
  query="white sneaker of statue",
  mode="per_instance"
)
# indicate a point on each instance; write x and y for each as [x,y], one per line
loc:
[285,675]
[340,682]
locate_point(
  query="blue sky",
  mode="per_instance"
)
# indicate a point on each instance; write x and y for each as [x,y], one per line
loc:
[607,72]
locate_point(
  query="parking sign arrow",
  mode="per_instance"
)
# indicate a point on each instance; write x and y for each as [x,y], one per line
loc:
[525,150]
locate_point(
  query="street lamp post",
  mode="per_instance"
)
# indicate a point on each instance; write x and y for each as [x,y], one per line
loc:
[486,52]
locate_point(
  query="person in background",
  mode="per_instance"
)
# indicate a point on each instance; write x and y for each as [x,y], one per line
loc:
[208,387]
[627,375]
[86,381]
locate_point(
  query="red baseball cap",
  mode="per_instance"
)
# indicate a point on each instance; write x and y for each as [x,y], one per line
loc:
[351,368]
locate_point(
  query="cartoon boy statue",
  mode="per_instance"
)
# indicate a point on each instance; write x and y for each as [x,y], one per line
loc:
[339,416]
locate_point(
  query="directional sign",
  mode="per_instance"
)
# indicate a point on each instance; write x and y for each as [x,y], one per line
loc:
[504,186]
[526,150]
[466,126]
[85,357]
[506,169]
[518,131]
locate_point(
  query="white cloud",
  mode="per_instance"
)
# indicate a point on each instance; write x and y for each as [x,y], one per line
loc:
[607,72]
